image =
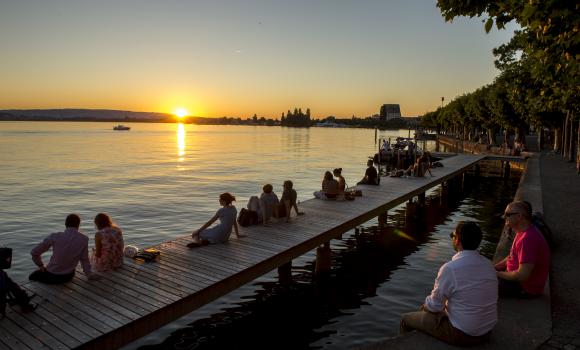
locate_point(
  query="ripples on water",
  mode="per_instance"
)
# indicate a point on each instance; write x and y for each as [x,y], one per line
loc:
[159,181]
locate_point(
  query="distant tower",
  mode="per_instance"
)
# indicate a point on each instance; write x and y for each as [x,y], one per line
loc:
[390,111]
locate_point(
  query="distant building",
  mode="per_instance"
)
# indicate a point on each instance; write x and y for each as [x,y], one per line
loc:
[390,111]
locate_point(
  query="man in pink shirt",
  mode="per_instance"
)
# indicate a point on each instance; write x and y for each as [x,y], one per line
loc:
[68,248]
[525,270]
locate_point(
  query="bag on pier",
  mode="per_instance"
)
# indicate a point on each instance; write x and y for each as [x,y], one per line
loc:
[247,217]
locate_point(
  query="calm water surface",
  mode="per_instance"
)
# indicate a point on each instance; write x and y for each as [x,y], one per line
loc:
[159,181]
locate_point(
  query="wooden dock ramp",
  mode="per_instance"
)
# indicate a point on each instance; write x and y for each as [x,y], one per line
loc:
[141,297]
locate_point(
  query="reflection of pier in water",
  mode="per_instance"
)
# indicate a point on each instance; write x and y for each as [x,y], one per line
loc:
[139,298]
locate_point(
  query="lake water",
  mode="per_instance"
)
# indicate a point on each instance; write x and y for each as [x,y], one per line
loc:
[159,181]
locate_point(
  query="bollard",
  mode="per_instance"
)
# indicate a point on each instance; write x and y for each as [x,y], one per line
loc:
[323,259]
[285,273]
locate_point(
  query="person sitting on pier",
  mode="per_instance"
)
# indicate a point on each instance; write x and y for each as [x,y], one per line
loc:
[289,197]
[462,308]
[268,204]
[329,187]
[421,166]
[371,175]
[68,248]
[524,271]
[341,181]
[221,232]
[108,252]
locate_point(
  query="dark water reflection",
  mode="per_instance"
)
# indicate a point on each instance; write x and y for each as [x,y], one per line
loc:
[375,277]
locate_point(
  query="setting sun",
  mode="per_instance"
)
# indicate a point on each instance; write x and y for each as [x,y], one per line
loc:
[181,112]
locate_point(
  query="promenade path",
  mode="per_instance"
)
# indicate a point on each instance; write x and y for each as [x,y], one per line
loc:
[141,297]
[561,197]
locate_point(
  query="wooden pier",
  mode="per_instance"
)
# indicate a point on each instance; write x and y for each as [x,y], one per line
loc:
[141,297]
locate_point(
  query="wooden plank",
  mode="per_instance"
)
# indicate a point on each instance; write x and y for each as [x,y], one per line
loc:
[20,335]
[78,303]
[41,330]
[8,340]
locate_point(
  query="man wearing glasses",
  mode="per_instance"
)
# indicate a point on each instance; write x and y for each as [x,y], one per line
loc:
[462,308]
[524,271]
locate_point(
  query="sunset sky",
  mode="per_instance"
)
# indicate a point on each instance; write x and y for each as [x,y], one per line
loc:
[239,57]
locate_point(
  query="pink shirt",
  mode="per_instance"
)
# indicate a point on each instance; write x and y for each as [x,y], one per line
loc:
[530,247]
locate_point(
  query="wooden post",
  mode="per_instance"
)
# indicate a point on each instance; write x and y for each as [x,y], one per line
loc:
[410,212]
[444,194]
[506,170]
[421,200]
[285,273]
[383,220]
[323,259]
[477,170]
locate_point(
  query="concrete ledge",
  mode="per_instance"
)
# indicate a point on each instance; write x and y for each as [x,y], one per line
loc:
[522,323]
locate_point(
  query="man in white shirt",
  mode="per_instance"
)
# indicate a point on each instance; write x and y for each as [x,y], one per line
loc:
[462,308]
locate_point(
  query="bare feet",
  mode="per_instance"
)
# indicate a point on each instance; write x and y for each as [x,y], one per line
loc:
[197,244]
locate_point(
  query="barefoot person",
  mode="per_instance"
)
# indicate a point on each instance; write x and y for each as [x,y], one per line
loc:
[289,197]
[462,308]
[221,232]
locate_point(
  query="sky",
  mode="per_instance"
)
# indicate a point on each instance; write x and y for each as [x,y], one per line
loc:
[239,57]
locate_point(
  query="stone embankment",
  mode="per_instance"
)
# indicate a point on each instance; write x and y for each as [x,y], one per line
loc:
[522,324]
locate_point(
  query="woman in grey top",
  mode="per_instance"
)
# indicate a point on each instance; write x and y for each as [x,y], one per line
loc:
[221,232]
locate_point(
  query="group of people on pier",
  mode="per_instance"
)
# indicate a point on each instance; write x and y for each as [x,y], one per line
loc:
[462,307]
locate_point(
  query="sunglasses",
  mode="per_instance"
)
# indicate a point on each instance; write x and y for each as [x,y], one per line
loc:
[507,215]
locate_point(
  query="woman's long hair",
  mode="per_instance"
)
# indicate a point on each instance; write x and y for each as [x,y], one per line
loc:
[102,221]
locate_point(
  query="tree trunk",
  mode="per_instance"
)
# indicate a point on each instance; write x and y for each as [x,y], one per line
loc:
[557,141]
[540,133]
[571,146]
[578,150]
[491,136]
[565,136]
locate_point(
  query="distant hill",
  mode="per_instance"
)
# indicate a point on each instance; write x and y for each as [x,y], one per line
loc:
[84,114]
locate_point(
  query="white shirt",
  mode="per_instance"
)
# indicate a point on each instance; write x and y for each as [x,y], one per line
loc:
[466,288]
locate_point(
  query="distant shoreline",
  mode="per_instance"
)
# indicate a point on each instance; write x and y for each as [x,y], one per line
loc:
[173,121]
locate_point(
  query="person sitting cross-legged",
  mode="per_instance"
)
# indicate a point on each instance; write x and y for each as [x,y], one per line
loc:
[462,308]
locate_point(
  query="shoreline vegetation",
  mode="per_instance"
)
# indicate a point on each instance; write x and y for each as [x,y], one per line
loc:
[296,119]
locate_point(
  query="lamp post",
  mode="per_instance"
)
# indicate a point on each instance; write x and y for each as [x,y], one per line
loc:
[442,99]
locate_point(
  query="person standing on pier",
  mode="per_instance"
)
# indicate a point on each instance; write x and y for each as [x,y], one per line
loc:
[524,271]
[68,248]
[219,233]
[462,308]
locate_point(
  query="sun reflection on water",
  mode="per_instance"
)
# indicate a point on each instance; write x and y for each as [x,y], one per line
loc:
[180,141]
